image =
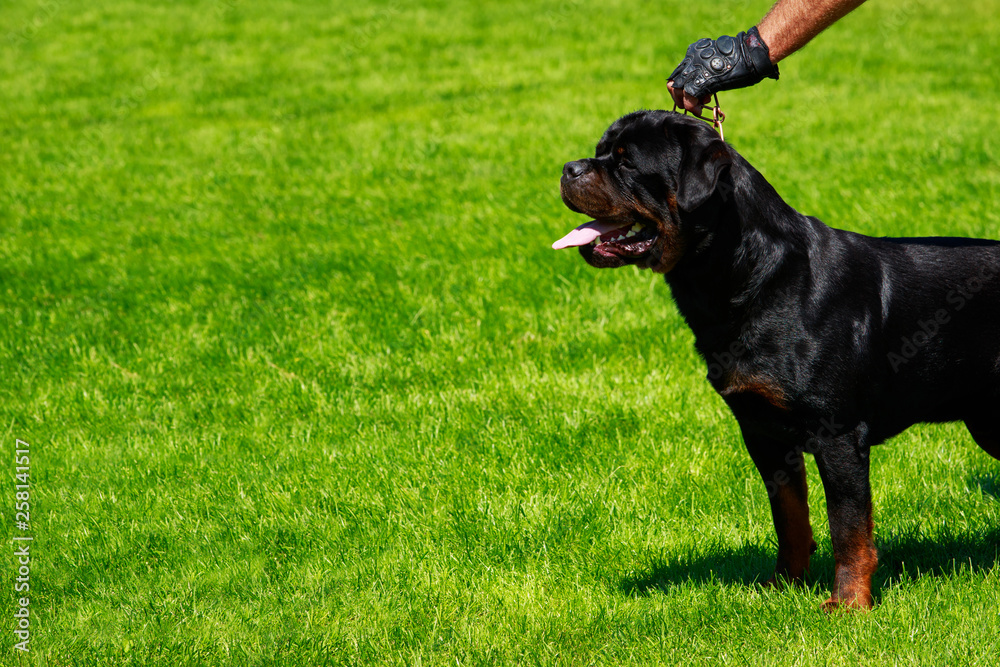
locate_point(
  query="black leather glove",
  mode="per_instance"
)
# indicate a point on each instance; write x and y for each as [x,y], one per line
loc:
[723,64]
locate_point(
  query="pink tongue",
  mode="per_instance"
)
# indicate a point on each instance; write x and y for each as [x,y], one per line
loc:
[585,233]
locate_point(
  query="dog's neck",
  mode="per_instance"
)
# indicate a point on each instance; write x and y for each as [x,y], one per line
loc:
[737,243]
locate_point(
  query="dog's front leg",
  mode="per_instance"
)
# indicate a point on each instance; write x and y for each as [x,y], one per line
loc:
[844,467]
[784,474]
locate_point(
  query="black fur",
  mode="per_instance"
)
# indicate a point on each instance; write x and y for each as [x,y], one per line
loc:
[820,340]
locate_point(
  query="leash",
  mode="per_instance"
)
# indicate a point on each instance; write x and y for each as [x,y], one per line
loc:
[717,116]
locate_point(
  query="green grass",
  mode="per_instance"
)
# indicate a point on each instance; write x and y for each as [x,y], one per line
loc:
[304,383]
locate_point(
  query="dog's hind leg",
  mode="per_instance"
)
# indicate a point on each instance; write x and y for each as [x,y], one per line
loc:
[986,435]
[784,475]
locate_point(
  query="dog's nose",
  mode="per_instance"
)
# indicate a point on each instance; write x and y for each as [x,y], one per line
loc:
[575,169]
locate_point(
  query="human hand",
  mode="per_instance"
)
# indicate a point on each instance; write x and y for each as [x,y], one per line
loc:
[720,64]
[686,101]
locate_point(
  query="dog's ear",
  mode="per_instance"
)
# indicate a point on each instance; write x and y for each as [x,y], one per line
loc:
[706,157]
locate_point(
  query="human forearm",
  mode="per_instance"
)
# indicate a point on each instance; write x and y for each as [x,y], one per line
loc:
[791,24]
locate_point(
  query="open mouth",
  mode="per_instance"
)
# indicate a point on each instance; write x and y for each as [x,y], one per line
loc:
[612,238]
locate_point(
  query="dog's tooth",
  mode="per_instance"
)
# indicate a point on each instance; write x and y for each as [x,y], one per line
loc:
[636,227]
[620,237]
[630,234]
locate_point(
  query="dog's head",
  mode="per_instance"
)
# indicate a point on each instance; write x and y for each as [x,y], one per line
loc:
[652,171]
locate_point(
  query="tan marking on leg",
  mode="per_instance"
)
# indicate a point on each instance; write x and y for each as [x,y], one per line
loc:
[771,392]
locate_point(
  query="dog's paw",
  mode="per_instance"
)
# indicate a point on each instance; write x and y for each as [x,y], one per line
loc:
[857,603]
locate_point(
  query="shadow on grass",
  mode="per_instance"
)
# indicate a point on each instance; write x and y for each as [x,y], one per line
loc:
[942,553]
[988,483]
[902,557]
[911,555]
[745,565]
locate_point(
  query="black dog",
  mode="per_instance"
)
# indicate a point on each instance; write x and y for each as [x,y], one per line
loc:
[819,340]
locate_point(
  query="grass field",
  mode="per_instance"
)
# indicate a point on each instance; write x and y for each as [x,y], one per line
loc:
[304,384]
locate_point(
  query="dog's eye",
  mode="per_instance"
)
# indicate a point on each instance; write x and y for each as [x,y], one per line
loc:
[623,160]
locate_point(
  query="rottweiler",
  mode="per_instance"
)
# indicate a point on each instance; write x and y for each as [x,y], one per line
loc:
[820,340]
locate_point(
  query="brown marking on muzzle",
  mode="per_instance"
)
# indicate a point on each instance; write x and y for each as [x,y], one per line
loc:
[669,248]
[672,204]
[592,195]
